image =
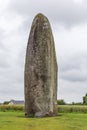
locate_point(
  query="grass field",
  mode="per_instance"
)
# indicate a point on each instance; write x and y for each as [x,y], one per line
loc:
[61,108]
[65,121]
[72,109]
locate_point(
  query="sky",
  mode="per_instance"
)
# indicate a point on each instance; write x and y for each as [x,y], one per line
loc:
[68,20]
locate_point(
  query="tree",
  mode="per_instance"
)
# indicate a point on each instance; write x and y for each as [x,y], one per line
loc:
[85,99]
[61,102]
[6,102]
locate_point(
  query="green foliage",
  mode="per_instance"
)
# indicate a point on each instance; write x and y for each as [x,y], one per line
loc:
[85,99]
[77,103]
[65,121]
[11,108]
[6,103]
[61,108]
[61,102]
[72,109]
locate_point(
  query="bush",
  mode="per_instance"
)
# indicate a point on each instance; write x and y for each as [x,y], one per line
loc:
[72,109]
[11,108]
[61,108]
[61,102]
[6,103]
[85,99]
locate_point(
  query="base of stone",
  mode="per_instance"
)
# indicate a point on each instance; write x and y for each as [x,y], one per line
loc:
[40,114]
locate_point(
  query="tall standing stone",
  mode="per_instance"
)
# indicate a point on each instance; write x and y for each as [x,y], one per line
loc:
[40,70]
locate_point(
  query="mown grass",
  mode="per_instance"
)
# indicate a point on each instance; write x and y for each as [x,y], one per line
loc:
[70,117]
[64,121]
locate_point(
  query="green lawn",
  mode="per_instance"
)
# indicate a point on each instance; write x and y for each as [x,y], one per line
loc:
[65,121]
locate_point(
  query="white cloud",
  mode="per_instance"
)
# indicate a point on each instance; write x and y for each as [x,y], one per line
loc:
[4,5]
[65,12]
[69,24]
[78,1]
[72,91]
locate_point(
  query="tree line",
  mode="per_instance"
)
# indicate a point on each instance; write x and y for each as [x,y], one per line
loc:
[84,102]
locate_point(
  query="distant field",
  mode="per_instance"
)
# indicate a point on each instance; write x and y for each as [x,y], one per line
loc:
[72,109]
[5,108]
[65,121]
[61,108]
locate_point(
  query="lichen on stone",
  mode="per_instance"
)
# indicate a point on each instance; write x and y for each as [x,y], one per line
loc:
[40,70]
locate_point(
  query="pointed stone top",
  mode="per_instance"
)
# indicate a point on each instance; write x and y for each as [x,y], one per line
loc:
[41,21]
[40,16]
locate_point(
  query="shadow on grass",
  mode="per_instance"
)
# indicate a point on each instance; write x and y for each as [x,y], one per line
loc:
[32,117]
